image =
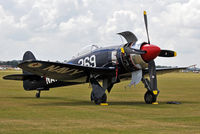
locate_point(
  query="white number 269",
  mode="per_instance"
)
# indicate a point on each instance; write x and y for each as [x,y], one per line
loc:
[88,61]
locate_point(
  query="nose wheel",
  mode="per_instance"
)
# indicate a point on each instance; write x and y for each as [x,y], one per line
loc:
[149,97]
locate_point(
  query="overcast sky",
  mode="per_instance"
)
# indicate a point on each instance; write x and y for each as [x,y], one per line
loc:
[58,29]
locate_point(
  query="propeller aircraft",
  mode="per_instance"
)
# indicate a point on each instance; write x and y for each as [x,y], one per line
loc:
[110,65]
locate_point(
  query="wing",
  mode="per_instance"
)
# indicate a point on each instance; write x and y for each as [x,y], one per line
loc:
[62,71]
[166,70]
[159,71]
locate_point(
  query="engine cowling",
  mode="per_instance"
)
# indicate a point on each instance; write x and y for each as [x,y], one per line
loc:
[132,62]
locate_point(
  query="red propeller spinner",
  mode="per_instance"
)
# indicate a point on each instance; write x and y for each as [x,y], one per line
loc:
[152,52]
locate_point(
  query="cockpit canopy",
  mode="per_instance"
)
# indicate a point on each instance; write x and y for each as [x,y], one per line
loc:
[85,50]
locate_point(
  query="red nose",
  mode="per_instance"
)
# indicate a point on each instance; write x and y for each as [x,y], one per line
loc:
[152,52]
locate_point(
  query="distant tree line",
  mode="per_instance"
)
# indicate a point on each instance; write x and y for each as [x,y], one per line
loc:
[159,66]
[12,63]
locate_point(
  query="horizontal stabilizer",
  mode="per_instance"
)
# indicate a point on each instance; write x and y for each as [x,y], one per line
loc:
[22,77]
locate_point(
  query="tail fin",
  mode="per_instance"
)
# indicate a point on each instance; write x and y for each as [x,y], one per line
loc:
[37,84]
[28,55]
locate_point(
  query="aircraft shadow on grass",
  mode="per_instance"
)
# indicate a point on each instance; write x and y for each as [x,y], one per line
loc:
[88,103]
[31,98]
[63,101]
[73,102]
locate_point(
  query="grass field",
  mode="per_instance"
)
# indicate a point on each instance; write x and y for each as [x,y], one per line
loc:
[69,110]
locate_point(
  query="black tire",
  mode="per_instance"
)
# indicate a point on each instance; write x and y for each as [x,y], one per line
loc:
[149,97]
[103,99]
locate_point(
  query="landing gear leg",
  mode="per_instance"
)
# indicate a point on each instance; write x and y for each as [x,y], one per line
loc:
[37,95]
[151,94]
[98,94]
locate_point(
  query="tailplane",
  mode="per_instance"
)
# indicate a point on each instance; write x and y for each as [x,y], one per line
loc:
[30,81]
[33,84]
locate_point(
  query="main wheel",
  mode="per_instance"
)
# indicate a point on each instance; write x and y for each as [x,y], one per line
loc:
[149,97]
[103,99]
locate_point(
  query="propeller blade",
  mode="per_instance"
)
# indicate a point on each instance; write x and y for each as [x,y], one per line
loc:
[146,25]
[129,36]
[138,51]
[152,75]
[129,51]
[167,53]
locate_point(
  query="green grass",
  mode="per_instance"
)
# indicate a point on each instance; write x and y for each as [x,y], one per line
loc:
[69,110]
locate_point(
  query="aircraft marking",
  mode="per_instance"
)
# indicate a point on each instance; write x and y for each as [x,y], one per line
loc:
[56,69]
[34,65]
[49,81]
[88,61]
[61,70]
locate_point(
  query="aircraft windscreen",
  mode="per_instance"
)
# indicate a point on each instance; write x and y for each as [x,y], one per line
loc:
[86,49]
